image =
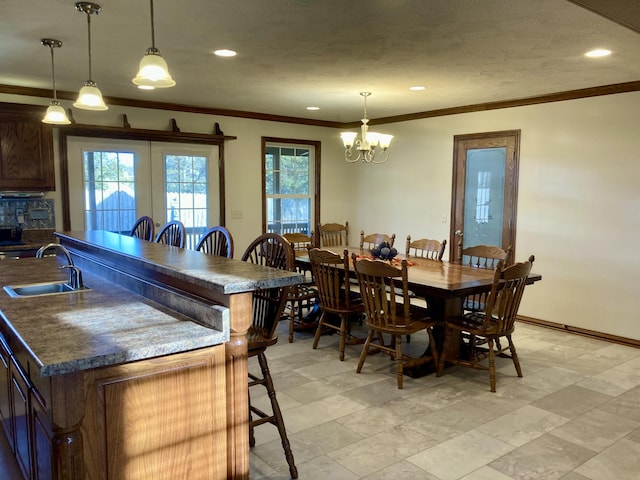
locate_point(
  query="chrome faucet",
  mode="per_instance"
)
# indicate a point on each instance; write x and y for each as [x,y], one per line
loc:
[42,250]
[75,275]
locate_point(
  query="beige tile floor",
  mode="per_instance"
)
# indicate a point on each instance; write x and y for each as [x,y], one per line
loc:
[575,415]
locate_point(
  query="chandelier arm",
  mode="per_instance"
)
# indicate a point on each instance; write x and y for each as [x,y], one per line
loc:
[381,158]
[349,156]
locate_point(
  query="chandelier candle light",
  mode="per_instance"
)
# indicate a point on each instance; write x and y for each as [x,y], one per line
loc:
[55,113]
[90,97]
[153,72]
[367,143]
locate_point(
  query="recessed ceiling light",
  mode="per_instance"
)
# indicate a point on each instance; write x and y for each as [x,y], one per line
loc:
[417,88]
[598,52]
[225,53]
[313,108]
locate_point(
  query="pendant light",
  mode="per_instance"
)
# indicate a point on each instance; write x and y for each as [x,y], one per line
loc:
[90,97]
[55,113]
[153,72]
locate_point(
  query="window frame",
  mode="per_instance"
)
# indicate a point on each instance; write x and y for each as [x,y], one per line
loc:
[315,145]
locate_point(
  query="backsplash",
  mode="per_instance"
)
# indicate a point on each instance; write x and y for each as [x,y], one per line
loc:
[38,213]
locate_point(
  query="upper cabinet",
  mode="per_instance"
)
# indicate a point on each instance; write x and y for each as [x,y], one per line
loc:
[26,149]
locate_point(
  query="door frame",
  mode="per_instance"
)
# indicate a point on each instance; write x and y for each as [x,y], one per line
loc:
[510,139]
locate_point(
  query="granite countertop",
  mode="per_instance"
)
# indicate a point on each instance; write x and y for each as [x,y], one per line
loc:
[104,325]
[225,275]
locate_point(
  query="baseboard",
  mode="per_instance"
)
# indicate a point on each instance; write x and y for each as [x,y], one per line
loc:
[630,342]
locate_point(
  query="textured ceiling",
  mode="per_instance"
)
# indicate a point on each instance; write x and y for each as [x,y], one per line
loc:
[297,53]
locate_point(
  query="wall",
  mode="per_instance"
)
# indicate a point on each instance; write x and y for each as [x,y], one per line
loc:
[579,192]
[578,201]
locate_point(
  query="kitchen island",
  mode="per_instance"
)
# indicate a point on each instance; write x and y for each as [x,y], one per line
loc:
[142,375]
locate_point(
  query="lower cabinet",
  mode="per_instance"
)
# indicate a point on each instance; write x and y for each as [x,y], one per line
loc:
[23,413]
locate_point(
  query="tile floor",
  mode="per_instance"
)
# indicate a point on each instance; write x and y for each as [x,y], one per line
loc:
[575,415]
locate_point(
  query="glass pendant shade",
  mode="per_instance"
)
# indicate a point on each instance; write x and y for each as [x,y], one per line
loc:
[153,71]
[56,115]
[90,98]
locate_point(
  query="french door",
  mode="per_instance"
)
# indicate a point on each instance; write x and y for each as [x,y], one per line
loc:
[485,190]
[113,182]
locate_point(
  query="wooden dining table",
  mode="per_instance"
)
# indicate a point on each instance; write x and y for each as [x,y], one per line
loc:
[444,285]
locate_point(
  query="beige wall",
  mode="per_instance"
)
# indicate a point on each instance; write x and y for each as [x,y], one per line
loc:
[579,192]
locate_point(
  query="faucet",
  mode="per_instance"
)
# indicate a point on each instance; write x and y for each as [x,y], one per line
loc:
[75,275]
[42,250]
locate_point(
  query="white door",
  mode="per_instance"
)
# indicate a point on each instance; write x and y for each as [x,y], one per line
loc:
[113,182]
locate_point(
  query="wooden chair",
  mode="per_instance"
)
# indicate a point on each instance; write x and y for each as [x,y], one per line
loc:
[331,274]
[390,312]
[172,233]
[425,248]
[216,241]
[482,256]
[271,250]
[303,293]
[143,228]
[495,321]
[333,235]
[374,239]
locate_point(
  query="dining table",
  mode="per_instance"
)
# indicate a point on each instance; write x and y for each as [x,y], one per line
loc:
[442,284]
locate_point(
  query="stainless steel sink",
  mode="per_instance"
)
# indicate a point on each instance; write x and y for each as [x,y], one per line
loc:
[33,289]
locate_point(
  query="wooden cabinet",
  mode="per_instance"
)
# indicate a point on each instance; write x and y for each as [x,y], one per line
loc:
[5,402]
[20,416]
[26,149]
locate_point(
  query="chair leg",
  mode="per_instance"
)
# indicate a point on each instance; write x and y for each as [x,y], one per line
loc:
[492,364]
[343,334]
[292,320]
[277,414]
[514,356]
[443,353]
[434,348]
[399,372]
[316,338]
[365,350]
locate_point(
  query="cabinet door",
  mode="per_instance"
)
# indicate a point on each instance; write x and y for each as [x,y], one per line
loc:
[42,434]
[5,391]
[26,150]
[20,398]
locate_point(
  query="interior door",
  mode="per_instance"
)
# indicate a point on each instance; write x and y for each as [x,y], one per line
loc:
[485,191]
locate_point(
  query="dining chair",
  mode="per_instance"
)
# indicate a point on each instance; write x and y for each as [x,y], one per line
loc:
[385,294]
[425,248]
[496,320]
[374,239]
[172,233]
[333,235]
[216,241]
[143,228]
[302,294]
[331,274]
[482,256]
[271,250]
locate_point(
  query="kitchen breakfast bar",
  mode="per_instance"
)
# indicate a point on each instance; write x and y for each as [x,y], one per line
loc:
[140,374]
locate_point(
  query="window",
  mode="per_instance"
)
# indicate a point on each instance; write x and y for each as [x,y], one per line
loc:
[109,190]
[290,186]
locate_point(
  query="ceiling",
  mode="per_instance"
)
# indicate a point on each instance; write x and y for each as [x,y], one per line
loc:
[298,53]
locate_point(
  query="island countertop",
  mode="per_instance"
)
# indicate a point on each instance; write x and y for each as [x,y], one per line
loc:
[103,325]
[225,276]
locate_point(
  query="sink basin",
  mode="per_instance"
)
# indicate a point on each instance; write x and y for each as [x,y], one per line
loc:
[50,288]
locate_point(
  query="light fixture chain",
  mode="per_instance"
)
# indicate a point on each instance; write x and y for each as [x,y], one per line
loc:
[153,30]
[53,74]
[89,35]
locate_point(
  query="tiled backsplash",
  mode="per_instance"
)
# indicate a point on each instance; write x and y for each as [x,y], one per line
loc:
[38,213]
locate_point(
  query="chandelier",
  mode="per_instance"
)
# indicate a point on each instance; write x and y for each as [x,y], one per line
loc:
[366,146]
